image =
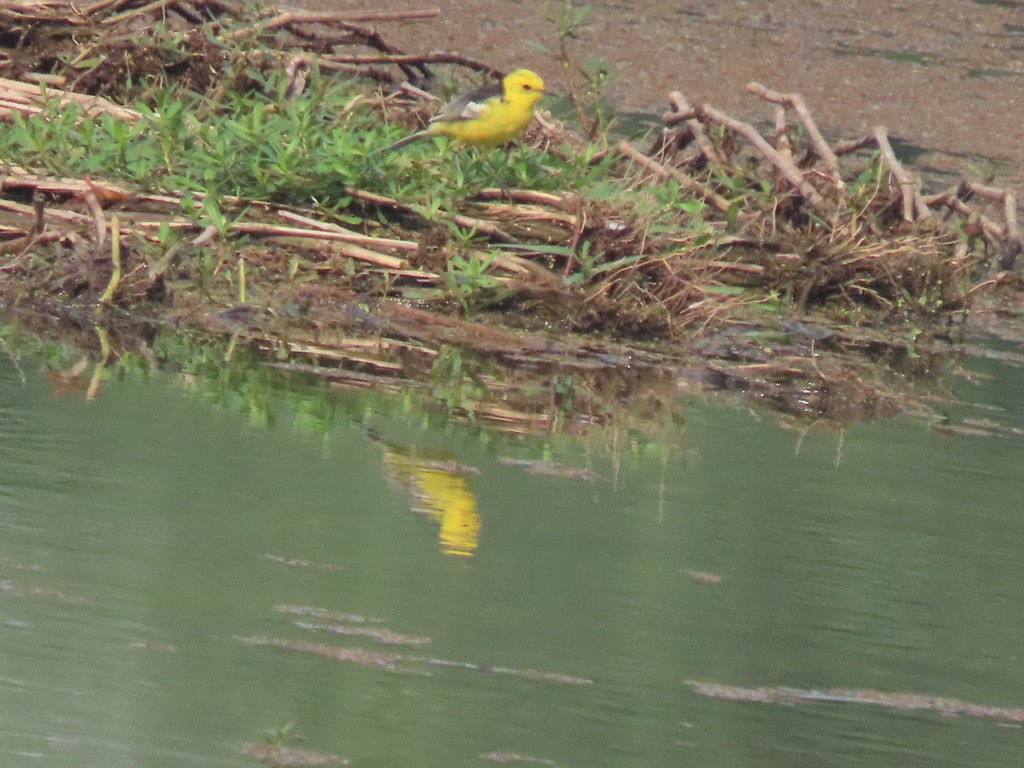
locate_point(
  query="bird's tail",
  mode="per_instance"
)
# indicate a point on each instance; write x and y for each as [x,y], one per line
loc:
[409,140]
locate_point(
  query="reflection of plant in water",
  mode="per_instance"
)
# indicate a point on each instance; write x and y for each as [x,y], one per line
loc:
[606,409]
[453,386]
[236,377]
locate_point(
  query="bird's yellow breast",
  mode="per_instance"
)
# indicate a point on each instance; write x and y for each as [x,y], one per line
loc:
[498,119]
[496,125]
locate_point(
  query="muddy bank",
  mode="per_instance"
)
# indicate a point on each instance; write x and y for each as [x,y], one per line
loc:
[782,265]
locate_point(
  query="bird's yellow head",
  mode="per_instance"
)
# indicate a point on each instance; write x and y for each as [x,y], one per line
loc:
[523,86]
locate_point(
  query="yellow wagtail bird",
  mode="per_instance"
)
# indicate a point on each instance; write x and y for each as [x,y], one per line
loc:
[487,116]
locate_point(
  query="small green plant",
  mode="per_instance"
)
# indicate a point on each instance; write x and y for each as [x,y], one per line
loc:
[866,188]
[587,79]
[263,144]
[115,259]
[282,735]
[469,283]
[912,335]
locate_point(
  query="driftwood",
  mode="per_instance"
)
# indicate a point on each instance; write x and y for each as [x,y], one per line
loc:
[1010,235]
[683,112]
[796,102]
[790,172]
[821,165]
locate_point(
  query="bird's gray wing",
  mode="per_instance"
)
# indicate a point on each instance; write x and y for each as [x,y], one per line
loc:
[468,106]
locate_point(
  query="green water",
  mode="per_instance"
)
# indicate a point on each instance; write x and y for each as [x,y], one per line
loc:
[153,539]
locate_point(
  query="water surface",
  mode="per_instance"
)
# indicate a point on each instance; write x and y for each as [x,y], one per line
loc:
[182,572]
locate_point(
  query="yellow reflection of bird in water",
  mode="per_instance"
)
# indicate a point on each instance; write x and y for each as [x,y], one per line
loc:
[446,497]
[438,489]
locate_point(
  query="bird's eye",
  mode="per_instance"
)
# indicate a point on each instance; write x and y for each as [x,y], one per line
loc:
[527,87]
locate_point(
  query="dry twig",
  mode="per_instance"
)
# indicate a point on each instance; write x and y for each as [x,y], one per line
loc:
[796,102]
[665,172]
[913,204]
[793,175]
[683,112]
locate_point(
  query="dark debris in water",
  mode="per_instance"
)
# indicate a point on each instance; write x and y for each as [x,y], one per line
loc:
[14,589]
[153,646]
[15,565]
[325,614]
[551,469]
[395,662]
[559,678]
[705,577]
[294,562]
[384,636]
[504,758]
[290,757]
[360,656]
[978,428]
[892,700]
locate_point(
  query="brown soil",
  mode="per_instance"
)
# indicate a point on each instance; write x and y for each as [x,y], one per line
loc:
[947,77]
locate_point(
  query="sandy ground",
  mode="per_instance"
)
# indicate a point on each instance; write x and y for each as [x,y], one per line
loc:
[946,75]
